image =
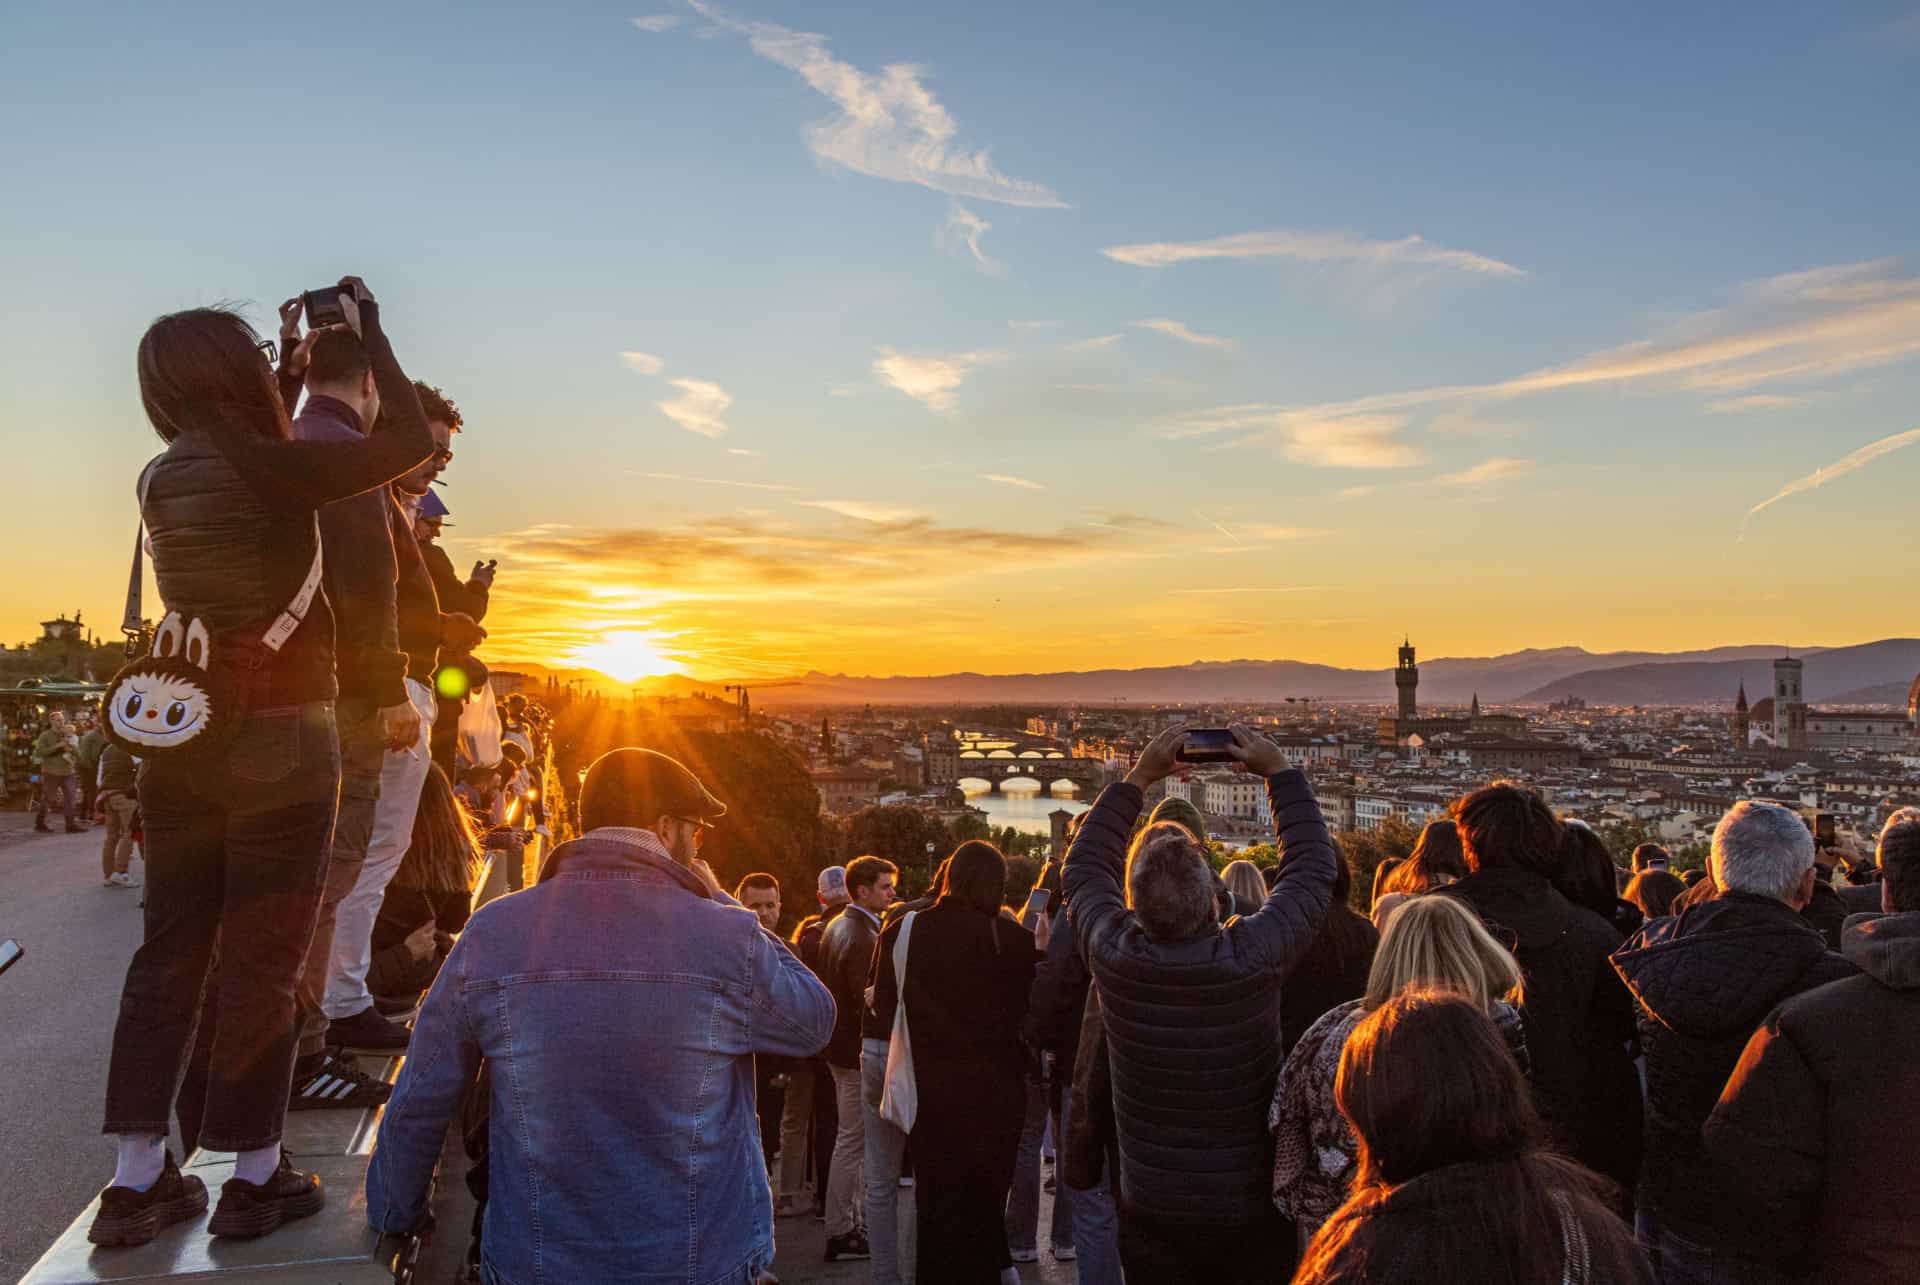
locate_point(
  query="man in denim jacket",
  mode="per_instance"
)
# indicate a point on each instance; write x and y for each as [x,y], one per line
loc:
[619,1002]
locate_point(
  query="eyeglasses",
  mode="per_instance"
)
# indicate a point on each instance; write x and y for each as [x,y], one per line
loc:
[269,350]
[699,829]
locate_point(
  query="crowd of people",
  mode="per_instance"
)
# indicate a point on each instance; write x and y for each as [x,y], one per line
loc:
[307,870]
[1516,1062]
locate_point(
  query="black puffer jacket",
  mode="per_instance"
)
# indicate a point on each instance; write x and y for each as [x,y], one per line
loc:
[1193,1027]
[1813,1141]
[1579,1016]
[1702,982]
[231,520]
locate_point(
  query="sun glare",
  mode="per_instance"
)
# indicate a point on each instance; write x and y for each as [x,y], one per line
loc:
[627,656]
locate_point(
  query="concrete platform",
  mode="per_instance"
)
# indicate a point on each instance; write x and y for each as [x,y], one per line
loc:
[334,1247]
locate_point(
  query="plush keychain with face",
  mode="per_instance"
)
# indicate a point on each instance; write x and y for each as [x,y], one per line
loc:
[164,702]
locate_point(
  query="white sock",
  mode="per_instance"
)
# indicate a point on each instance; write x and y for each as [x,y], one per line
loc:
[142,1158]
[256,1166]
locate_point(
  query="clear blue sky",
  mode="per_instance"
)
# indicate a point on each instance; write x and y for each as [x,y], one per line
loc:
[1396,260]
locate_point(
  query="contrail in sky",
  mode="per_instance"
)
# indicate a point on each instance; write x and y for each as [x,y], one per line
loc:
[1839,468]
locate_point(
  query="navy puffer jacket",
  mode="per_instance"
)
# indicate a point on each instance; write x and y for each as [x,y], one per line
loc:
[1193,1027]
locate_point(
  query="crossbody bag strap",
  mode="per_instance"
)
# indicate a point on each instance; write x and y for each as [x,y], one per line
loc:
[132,620]
[282,629]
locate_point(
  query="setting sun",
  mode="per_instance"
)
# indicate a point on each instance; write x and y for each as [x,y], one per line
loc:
[627,655]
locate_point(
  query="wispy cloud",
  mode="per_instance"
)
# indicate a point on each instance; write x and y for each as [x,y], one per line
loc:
[960,235]
[1849,463]
[1094,344]
[934,380]
[741,450]
[659,22]
[699,408]
[717,481]
[890,124]
[1027,327]
[1799,326]
[1755,402]
[644,362]
[1311,247]
[1358,441]
[1461,423]
[1181,332]
[1498,469]
[868,511]
[1007,479]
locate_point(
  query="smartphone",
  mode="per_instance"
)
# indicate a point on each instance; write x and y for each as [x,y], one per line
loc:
[1206,745]
[1823,832]
[1036,900]
[10,950]
[323,308]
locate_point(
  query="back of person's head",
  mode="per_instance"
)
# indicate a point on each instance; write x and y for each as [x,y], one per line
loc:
[1584,872]
[1761,848]
[1898,855]
[1435,1097]
[1504,824]
[444,854]
[1170,885]
[831,887]
[1692,877]
[203,369]
[1243,881]
[1654,892]
[864,872]
[1426,1081]
[1181,812]
[1437,943]
[1437,860]
[976,877]
[1384,875]
[338,361]
[1651,856]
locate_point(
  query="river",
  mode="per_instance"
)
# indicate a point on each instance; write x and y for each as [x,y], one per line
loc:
[1024,810]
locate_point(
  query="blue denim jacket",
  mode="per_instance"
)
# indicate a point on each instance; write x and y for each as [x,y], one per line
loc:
[619,1008]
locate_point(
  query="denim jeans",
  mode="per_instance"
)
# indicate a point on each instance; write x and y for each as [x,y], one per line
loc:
[796,1127]
[886,1148]
[849,1154]
[66,786]
[236,853]
[1096,1225]
[1023,1202]
[362,749]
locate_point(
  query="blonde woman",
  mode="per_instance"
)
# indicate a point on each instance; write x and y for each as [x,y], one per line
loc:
[1244,881]
[1430,943]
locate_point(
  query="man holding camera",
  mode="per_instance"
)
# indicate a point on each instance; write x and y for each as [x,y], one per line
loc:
[1196,1161]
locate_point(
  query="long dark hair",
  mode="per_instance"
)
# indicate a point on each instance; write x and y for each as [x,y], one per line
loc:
[203,369]
[444,855]
[1585,873]
[1437,859]
[1438,1104]
[1655,891]
[976,877]
[1344,935]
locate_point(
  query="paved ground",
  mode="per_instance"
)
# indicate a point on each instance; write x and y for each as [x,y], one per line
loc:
[57,1008]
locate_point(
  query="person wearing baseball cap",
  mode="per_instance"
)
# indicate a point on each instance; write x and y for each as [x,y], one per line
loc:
[620,1001]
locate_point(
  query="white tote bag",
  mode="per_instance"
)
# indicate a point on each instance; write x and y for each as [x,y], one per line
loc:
[900,1098]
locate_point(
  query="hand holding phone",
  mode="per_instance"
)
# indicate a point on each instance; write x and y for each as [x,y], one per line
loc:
[1207,745]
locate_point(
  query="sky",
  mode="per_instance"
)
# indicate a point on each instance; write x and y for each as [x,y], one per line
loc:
[898,339]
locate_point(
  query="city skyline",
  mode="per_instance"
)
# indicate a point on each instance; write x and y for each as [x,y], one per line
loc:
[871,341]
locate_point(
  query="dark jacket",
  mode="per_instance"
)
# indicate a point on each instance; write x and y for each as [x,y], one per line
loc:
[118,771]
[846,957]
[876,1019]
[1193,1027]
[417,606]
[1702,981]
[968,976]
[1825,910]
[1579,1016]
[393,970]
[1058,1006]
[359,571]
[468,596]
[1090,1150]
[230,518]
[1324,978]
[1814,1138]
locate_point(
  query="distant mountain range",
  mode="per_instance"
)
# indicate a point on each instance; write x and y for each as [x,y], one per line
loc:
[1877,672]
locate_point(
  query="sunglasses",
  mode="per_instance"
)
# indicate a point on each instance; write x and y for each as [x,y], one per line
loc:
[700,829]
[269,350]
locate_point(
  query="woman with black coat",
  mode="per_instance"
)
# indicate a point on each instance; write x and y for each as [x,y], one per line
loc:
[969,972]
[237,843]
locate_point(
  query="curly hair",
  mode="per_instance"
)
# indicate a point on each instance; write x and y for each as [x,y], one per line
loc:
[438,405]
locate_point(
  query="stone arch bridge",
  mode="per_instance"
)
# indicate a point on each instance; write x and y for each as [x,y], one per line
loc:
[1087,774]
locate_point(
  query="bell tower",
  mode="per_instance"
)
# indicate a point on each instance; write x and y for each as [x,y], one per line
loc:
[1789,706]
[1740,720]
[1406,677]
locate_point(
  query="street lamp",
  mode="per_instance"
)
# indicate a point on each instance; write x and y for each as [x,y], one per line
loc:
[929,865]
